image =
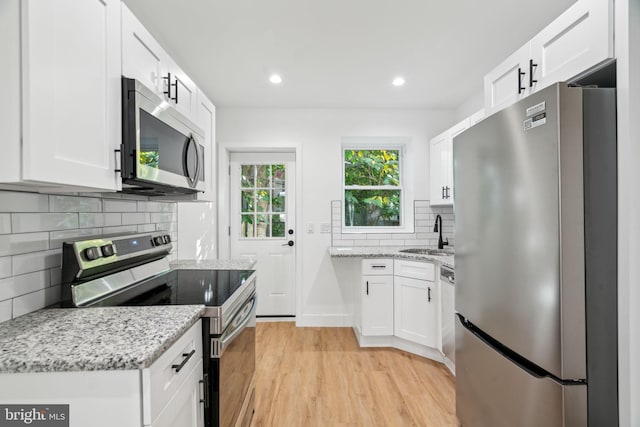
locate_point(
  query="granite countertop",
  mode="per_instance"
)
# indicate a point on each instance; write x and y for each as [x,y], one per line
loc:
[387,252]
[214,264]
[91,339]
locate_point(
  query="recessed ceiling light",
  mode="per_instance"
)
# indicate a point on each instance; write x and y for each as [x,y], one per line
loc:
[398,81]
[275,79]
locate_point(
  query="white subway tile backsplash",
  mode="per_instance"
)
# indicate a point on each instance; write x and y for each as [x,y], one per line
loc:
[135,218]
[113,205]
[145,228]
[56,238]
[12,201]
[366,243]
[99,219]
[5,310]
[31,222]
[163,217]
[20,285]
[12,244]
[5,223]
[5,267]
[74,204]
[36,261]
[120,229]
[35,300]
[423,235]
[33,227]
[55,275]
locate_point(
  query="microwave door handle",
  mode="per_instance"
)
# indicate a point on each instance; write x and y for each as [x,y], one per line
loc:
[191,180]
[199,162]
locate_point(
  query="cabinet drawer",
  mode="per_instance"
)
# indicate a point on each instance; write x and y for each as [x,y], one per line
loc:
[160,381]
[415,270]
[373,267]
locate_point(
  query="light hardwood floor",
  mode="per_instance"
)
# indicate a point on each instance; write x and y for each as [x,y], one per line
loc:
[309,377]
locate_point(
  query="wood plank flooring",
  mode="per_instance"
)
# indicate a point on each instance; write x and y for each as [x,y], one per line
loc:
[320,377]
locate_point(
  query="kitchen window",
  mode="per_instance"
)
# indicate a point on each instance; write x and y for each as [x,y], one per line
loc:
[373,191]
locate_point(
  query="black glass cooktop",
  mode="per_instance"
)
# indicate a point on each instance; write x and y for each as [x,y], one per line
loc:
[181,287]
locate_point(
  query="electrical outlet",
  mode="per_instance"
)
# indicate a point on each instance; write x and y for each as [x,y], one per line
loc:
[311,228]
[325,227]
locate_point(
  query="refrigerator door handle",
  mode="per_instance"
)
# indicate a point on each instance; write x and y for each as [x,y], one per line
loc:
[514,357]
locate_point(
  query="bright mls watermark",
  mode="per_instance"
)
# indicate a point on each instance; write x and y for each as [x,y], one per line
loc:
[34,415]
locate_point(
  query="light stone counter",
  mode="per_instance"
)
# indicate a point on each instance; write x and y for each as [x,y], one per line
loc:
[91,339]
[387,252]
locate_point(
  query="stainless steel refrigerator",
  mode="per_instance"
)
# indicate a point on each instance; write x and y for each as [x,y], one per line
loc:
[535,211]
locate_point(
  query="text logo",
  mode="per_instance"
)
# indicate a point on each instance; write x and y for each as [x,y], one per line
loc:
[34,415]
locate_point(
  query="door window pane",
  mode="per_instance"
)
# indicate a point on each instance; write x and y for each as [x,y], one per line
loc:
[263,199]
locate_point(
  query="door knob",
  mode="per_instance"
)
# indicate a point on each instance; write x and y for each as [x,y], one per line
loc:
[289,243]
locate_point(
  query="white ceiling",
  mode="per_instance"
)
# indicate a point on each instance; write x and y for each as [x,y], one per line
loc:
[342,53]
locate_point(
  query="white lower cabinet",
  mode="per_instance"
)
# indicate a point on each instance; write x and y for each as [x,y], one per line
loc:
[159,396]
[416,311]
[399,306]
[184,409]
[377,297]
[377,305]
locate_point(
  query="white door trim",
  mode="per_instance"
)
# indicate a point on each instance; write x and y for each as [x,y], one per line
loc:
[224,242]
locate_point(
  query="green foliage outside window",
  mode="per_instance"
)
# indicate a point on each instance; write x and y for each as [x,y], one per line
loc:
[149,158]
[369,178]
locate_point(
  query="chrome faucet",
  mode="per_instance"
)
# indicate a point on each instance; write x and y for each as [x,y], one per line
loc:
[441,243]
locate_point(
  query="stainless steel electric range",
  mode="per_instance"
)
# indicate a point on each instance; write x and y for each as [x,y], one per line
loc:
[133,270]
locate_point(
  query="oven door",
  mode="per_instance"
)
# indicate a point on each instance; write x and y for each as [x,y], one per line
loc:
[234,355]
[160,144]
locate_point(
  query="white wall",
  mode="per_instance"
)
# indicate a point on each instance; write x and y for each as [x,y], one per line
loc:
[324,294]
[470,106]
[627,27]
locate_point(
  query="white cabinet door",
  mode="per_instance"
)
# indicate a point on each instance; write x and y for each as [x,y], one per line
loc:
[185,408]
[416,311]
[183,92]
[143,58]
[579,39]
[438,157]
[71,68]
[441,165]
[206,119]
[377,305]
[507,83]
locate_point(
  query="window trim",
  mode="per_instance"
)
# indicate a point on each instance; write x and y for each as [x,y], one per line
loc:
[375,143]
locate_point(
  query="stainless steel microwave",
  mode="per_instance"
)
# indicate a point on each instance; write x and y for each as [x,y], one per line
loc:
[161,149]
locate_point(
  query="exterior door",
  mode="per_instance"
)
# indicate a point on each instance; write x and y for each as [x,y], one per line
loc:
[263,225]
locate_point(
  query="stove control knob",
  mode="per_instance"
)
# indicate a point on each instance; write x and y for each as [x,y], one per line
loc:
[158,240]
[91,253]
[107,250]
[167,238]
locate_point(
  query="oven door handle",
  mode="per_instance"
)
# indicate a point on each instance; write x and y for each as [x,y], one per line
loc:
[229,336]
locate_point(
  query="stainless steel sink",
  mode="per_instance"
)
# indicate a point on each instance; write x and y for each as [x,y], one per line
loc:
[424,251]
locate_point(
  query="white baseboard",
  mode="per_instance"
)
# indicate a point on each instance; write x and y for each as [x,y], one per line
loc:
[449,364]
[400,344]
[325,320]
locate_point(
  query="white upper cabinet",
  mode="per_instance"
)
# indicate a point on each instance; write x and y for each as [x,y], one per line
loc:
[578,41]
[441,165]
[183,91]
[145,60]
[67,64]
[507,83]
[142,57]
[206,119]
